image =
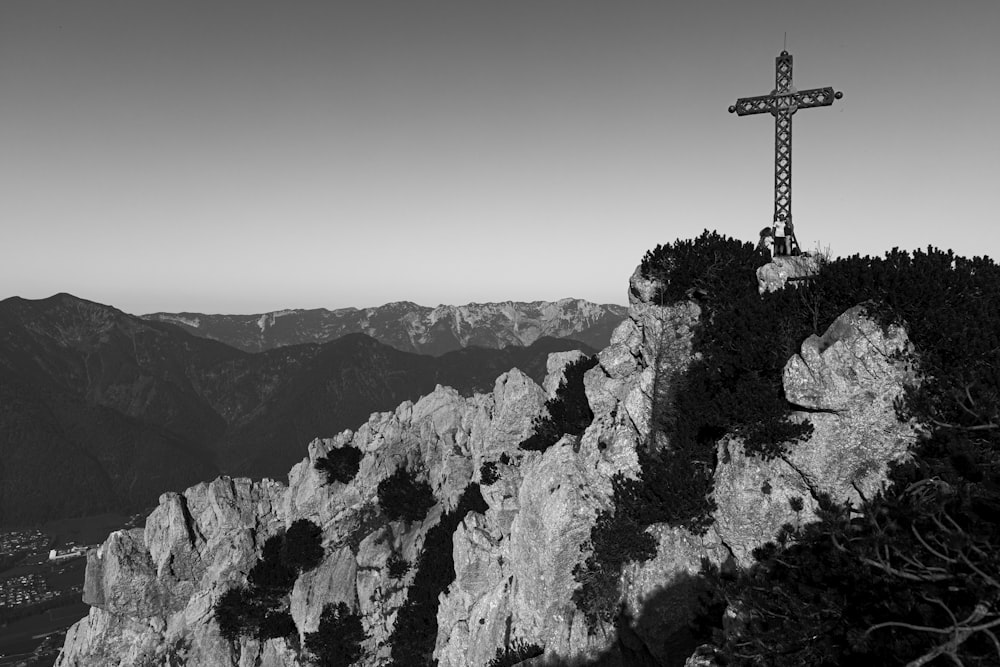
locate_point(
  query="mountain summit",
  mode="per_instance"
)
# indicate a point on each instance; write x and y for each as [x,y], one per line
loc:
[410,327]
[753,474]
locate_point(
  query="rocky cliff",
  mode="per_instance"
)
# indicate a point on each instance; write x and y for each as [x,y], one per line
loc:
[152,590]
[412,328]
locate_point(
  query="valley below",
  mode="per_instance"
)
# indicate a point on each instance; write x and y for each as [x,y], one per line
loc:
[41,598]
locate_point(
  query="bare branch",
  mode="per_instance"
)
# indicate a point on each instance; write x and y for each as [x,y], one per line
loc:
[908,626]
[980,427]
[934,551]
[906,575]
[940,603]
[993,638]
[992,582]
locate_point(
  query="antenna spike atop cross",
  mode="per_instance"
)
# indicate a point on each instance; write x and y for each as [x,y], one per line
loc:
[782,103]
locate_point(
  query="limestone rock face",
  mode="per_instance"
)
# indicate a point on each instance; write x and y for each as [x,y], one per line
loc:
[555,369]
[848,378]
[781,269]
[152,591]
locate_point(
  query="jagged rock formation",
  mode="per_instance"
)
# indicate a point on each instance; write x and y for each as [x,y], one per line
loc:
[152,590]
[412,328]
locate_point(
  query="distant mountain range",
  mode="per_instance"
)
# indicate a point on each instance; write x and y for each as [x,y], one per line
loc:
[412,328]
[103,410]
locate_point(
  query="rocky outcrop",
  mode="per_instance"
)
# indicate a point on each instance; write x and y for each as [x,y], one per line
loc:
[845,383]
[410,327]
[786,268]
[152,591]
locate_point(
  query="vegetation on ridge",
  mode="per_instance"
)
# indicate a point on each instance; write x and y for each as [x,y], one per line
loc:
[517,652]
[415,632]
[339,465]
[337,641]
[732,385]
[911,576]
[402,497]
[260,609]
[566,413]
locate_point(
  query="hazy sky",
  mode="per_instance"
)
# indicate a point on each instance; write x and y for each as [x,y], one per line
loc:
[249,156]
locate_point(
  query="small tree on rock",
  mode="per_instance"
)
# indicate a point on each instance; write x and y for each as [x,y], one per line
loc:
[566,413]
[303,546]
[340,465]
[337,641]
[402,497]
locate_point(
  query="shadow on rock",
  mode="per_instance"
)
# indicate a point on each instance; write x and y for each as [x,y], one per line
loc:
[673,622]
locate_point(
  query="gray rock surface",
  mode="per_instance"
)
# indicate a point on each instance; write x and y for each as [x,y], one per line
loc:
[776,274]
[152,591]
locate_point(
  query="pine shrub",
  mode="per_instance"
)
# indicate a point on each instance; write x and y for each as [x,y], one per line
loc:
[260,609]
[566,413]
[518,651]
[272,576]
[415,632]
[488,473]
[910,576]
[231,613]
[302,548]
[276,624]
[402,497]
[340,465]
[337,640]
[397,566]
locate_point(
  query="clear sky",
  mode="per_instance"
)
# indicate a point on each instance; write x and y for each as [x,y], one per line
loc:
[240,157]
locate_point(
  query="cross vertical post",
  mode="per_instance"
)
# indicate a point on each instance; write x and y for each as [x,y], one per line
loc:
[782,103]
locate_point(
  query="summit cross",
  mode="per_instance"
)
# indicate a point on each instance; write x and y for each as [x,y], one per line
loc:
[781,103]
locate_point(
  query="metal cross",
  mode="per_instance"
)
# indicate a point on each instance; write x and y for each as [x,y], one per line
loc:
[781,103]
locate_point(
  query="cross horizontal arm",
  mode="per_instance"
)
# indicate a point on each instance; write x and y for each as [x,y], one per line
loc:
[773,104]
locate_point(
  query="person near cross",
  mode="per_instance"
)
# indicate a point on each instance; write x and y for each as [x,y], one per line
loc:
[782,103]
[780,240]
[766,242]
[791,243]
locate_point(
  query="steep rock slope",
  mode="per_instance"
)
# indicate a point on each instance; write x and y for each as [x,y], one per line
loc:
[153,589]
[410,327]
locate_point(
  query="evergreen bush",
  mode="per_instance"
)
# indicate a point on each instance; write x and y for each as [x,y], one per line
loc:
[732,386]
[488,473]
[276,624]
[566,413]
[402,497]
[518,651]
[397,566]
[302,548]
[339,465]
[261,608]
[231,613]
[415,632]
[337,640]
[272,576]
[910,576]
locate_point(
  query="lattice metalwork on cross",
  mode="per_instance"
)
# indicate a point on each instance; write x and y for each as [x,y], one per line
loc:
[782,103]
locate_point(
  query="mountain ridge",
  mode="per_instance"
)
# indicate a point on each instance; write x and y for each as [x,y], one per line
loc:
[515,562]
[409,326]
[103,410]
